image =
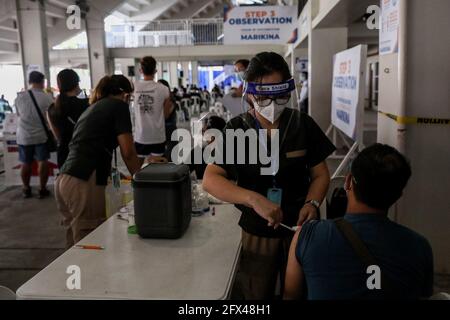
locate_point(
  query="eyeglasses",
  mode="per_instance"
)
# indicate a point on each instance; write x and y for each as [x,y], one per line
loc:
[265,101]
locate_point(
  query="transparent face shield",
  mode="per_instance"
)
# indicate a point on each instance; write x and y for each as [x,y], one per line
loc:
[265,94]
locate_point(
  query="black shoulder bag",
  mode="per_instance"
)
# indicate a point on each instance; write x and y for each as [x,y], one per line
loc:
[51,141]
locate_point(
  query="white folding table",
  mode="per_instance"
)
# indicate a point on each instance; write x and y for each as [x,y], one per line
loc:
[200,265]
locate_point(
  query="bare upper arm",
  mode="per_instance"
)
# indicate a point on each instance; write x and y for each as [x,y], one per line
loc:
[294,272]
[213,169]
[168,107]
[320,170]
[126,144]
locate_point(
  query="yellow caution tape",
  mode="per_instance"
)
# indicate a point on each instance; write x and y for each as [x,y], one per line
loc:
[416,120]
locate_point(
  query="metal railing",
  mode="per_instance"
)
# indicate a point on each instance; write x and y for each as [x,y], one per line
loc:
[166,33]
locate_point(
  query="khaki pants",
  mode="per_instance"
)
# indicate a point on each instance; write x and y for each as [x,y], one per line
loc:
[262,261]
[82,205]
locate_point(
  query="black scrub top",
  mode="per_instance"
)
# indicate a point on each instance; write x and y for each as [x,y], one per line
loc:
[65,120]
[304,146]
[95,139]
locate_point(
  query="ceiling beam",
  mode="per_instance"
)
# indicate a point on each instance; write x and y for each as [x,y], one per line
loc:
[213,12]
[144,2]
[61,3]
[122,13]
[8,47]
[9,25]
[55,11]
[9,36]
[191,10]
[132,5]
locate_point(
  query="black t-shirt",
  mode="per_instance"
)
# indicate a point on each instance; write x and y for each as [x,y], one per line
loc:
[95,139]
[64,119]
[302,146]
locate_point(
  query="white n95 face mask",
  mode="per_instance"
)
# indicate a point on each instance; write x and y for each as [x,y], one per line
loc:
[272,112]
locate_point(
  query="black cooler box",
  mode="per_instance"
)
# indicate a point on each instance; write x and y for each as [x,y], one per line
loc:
[162,200]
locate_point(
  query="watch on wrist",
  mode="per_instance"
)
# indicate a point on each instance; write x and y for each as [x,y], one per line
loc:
[314,203]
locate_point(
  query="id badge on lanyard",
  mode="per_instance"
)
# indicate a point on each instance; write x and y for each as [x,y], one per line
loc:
[115,174]
[274,194]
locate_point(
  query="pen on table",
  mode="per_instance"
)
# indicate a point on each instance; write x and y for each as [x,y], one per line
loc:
[89,247]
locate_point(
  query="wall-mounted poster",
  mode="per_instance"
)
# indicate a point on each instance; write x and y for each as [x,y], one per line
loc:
[390,22]
[348,91]
[260,25]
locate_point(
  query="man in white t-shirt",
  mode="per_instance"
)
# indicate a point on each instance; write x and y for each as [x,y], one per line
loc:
[31,134]
[152,105]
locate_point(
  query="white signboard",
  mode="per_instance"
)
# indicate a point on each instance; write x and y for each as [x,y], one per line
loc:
[31,68]
[11,157]
[348,91]
[260,25]
[390,21]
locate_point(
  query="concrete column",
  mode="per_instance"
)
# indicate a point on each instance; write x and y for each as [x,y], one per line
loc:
[300,53]
[173,73]
[323,45]
[137,69]
[98,54]
[194,65]
[414,83]
[185,66]
[33,38]
[159,70]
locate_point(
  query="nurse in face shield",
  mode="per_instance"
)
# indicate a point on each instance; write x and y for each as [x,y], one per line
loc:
[291,195]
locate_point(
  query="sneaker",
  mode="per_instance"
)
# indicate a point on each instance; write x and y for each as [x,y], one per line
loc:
[43,194]
[27,194]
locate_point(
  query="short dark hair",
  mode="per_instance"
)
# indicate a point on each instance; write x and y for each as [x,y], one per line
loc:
[244,62]
[215,122]
[36,77]
[148,65]
[380,173]
[266,63]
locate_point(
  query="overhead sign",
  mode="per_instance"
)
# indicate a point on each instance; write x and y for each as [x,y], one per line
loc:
[390,22]
[260,25]
[348,91]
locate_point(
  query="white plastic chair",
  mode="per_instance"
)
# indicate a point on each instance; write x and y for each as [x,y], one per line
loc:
[6,294]
[196,105]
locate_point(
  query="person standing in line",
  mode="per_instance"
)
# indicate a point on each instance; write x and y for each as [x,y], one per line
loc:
[64,114]
[31,133]
[104,126]
[153,106]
